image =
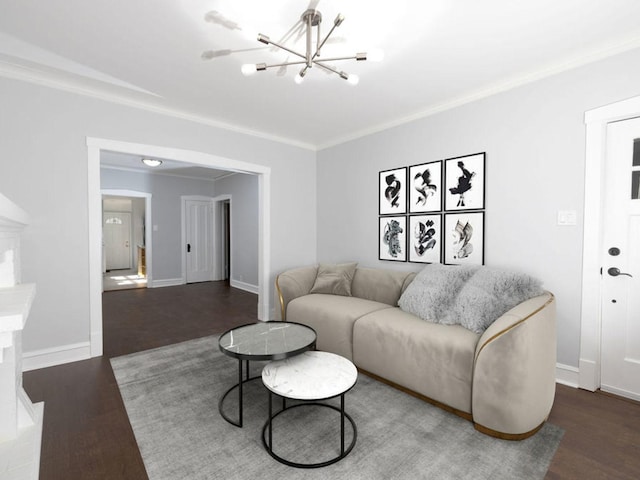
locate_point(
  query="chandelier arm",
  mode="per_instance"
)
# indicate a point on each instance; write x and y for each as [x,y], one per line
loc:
[271,42]
[308,56]
[284,64]
[324,41]
[327,67]
[335,59]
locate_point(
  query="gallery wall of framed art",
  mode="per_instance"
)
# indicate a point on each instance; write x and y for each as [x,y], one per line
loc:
[433,212]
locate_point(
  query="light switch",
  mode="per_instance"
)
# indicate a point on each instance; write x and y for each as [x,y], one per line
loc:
[155,228]
[567,217]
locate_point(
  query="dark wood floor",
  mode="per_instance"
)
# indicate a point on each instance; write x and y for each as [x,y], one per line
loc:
[87,434]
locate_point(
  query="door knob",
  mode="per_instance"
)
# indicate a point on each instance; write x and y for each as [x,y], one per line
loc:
[614,272]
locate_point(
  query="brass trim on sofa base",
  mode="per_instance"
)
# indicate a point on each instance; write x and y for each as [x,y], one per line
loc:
[455,411]
[282,310]
[507,436]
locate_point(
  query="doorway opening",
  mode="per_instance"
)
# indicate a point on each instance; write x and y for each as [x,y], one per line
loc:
[95,146]
[124,245]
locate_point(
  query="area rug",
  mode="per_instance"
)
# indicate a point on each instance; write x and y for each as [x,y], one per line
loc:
[171,397]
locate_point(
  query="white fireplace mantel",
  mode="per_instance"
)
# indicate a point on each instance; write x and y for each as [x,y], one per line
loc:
[20,420]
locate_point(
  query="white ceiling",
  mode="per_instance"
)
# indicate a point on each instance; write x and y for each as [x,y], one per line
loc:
[438,54]
[128,162]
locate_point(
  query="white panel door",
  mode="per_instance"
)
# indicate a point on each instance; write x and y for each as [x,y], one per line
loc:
[199,237]
[620,367]
[116,231]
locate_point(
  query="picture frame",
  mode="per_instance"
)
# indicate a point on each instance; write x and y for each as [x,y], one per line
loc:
[392,238]
[425,187]
[464,238]
[392,191]
[465,182]
[424,244]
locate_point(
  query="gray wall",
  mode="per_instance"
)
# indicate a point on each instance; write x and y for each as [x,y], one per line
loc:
[243,189]
[166,203]
[43,165]
[534,137]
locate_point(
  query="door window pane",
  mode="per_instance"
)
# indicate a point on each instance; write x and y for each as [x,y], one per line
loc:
[636,152]
[635,185]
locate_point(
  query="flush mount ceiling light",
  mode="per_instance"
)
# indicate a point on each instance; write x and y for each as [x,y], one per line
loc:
[151,162]
[312,18]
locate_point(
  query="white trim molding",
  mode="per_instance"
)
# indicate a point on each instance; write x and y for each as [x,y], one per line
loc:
[247,287]
[567,375]
[596,121]
[166,282]
[49,357]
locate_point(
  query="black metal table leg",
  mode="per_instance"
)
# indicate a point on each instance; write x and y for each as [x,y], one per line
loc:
[242,379]
[267,439]
[240,382]
[270,423]
[342,424]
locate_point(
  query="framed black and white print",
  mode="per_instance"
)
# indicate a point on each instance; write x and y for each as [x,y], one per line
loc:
[392,238]
[464,238]
[464,182]
[425,187]
[392,190]
[425,238]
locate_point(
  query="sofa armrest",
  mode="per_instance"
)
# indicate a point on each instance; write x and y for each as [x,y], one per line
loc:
[294,283]
[514,370]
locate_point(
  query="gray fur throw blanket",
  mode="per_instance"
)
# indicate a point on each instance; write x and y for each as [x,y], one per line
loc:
[468,295]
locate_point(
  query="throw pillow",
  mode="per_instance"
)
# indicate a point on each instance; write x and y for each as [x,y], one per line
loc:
[491,292]
[431,295]
[334,279]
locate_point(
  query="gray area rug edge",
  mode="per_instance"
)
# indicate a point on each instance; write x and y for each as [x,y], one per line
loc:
[171,397]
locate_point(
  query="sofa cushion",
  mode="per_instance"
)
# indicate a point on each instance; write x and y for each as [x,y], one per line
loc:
[332,317]
[334,279]
[380,285]
[431,359]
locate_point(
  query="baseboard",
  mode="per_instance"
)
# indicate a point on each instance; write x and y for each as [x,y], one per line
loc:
[567,375]
[247,287]
[50,357]
[621,393]
[167,282]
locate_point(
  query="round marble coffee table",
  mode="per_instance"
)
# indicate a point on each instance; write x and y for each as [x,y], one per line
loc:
[311,377]
[259,342]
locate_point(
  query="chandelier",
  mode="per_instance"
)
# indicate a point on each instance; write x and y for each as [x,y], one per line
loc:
[313,18]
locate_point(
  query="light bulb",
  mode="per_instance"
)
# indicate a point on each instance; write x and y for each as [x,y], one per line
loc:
[248,69]
[353,79]
[375,55]
[152,162]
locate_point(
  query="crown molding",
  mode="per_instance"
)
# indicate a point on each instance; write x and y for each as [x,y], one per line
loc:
[517,81]
[30,75]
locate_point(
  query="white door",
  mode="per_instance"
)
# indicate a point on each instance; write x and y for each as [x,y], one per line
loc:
[116,231]
[199,237]
[620,353]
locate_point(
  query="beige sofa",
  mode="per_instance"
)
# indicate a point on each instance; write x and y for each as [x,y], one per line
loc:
[502,380]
